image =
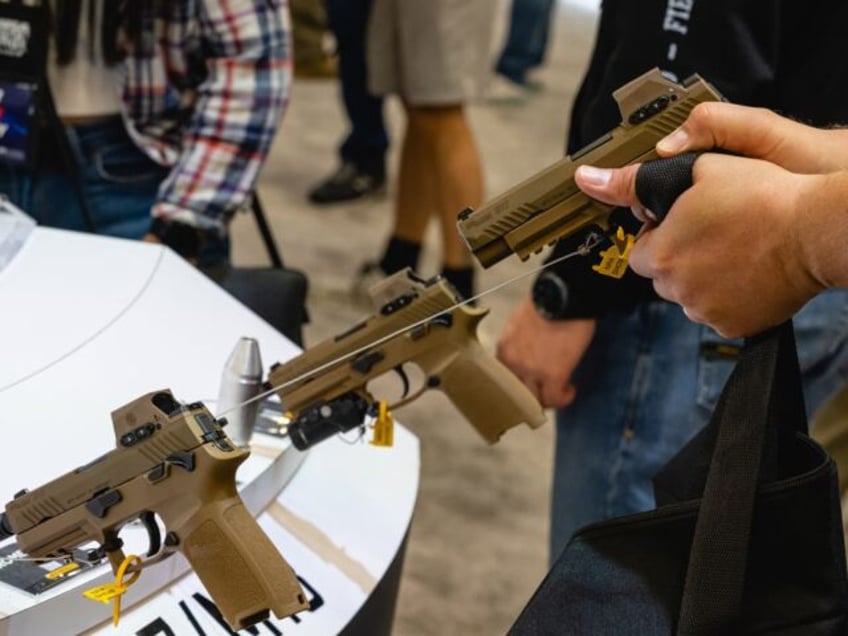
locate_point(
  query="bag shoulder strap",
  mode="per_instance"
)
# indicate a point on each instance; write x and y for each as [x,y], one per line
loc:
[760,407]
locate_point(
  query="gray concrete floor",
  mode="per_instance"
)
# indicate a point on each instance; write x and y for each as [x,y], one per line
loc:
[478,542]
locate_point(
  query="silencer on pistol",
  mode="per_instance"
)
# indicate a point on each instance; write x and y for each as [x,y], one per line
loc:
[549,206]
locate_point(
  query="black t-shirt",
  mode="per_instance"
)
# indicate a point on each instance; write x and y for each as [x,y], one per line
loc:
[786,55]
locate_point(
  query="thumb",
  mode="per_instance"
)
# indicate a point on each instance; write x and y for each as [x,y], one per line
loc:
[613,187]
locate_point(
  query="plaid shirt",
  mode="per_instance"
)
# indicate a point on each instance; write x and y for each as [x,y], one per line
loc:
[204,89]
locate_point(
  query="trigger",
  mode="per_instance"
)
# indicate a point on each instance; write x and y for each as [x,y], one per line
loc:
[153,534]
[404,378]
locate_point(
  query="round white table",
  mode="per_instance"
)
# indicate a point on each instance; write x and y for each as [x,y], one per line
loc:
[90,323]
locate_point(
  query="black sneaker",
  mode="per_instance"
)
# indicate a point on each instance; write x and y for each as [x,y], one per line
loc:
[346,184]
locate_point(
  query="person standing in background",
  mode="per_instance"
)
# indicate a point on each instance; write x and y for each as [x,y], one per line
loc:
[434,56]
[363,151]
[167,109]
[524,50]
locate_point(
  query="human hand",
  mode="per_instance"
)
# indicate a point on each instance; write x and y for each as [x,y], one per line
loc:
[738,250]
[759,133]
[544,353]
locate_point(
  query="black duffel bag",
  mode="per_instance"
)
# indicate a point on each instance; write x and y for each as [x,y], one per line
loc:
[746,537]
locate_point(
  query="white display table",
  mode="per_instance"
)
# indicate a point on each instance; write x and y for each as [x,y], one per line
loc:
[89,323]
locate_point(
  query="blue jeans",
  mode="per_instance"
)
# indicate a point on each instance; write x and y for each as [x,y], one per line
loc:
[117,181]
[647,384]
[367,141]
[527,41]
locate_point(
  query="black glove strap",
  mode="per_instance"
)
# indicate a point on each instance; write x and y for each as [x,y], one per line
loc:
[660,182]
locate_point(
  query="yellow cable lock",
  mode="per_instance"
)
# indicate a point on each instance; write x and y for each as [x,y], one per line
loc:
[114,591]
[614,259]
[384,427]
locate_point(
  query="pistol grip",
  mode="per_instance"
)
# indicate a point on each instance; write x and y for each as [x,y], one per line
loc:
[240,567]
[490,397]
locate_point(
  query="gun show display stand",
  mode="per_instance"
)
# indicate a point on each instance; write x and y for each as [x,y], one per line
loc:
[90,323]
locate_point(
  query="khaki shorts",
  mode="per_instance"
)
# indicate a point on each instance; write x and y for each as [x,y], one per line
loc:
[430,52]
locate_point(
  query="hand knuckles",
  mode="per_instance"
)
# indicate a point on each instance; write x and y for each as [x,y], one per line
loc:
[701,116]
[728,330]
[768,114]
[688,297]
[638,259]
[660,265]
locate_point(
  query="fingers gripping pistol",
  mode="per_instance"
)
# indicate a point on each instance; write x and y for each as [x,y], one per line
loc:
[415,321]
[174,461]
[549,206]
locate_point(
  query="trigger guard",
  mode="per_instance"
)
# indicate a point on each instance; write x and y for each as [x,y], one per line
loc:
[148,519]
[404,378]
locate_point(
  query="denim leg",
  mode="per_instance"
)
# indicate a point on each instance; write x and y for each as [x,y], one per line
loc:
[645,388]
[121,184]
[16,185]
[44,192]
[117,181]
[821,331]
[527,40]
[630,385]
[368,140]
[52,195]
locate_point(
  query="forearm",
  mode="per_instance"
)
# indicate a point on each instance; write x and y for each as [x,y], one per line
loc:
[235,115]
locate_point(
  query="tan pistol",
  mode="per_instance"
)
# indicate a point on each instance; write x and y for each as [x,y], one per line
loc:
[549,206]
[174,461]
[417,321]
